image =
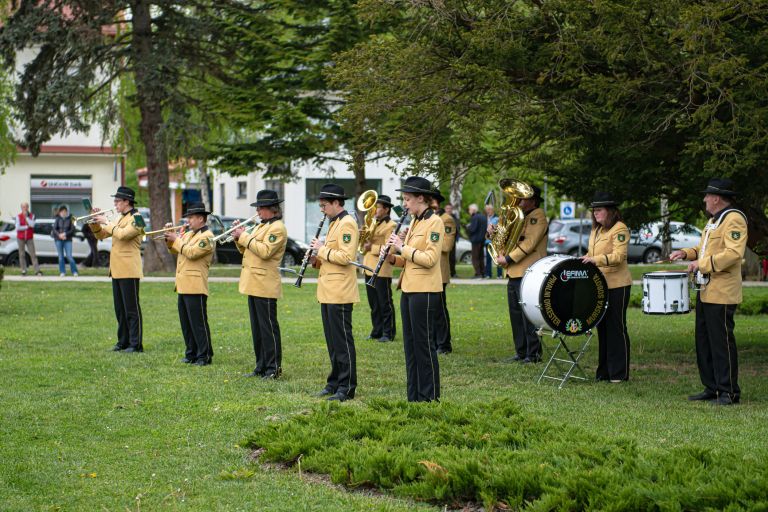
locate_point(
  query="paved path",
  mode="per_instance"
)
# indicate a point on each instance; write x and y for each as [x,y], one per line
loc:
[286,280]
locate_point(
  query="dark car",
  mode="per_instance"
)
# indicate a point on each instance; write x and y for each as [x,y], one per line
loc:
[228,253]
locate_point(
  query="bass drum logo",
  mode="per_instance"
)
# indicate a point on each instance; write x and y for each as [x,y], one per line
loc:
[573,326]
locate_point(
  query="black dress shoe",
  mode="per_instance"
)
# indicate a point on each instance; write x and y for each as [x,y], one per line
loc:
[339,396]
[704,395]
[724,400]
[325,392]
[385,339]
[117,348]
[131,350]
[444,350]
[187,361]
[201,362]
[529,360]
[270,375]
[371,337]
[254,373]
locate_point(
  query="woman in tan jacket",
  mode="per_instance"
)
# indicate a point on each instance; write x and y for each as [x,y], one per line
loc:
[608,250]
[422,284]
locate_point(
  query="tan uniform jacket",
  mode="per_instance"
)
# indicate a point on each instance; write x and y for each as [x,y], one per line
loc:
[337,281]
[379,238]
[420,255]
[262,247]
[532,245]
[195,254]
[609,250]
[125,258]
[448,242]
[722,256]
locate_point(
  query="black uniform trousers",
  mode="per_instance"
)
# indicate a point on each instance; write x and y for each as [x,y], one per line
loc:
[442,331]
[716,349]
[382,308]
[337,325]
[125,294]
[613,340]
[265,331]
[527,342]
[193,316]
[418,311]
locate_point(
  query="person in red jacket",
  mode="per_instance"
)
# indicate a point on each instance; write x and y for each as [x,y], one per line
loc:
[25,230]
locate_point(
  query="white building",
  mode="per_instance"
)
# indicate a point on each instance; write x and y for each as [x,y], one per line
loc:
[232,195]
[68,170]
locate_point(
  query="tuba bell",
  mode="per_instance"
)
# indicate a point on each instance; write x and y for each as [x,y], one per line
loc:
[367,203]
[511,217]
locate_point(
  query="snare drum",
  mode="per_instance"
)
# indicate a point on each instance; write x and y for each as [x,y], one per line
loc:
[666,293]
[563,294]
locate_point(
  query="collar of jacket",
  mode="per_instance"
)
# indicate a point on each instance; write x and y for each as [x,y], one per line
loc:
[270,221]
[425,214]
[441,211]
[716,217]
[196,231]
[384,219]
[132,212]
[340,216]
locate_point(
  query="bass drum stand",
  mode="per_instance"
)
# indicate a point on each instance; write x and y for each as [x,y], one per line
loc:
[563,364]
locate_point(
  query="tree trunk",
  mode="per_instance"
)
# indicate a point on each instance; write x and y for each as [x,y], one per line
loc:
[666,234]
[358,169]
[149,97]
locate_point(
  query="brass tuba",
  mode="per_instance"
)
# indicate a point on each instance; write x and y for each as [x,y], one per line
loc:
[367,203]
[511,217]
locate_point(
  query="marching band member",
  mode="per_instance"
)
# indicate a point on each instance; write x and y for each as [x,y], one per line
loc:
[195,252]
[421,283]
[337,291]
[531,247]
[380,296]
[124,268]
[263,247]
[718,257]
[442,318]
[608,244]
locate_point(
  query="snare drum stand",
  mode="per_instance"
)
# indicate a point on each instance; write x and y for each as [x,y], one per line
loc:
[565,367]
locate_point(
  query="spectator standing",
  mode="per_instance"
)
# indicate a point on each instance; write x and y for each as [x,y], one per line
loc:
[492,220]
[476,229]
[62,233]
[25,231]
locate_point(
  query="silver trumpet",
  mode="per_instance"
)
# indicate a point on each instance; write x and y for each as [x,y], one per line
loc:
[226,236]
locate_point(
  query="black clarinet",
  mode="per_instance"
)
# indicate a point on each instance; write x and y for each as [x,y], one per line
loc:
[372,281]
[308,255]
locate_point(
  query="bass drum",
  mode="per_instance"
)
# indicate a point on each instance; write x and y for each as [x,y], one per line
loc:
[563,294]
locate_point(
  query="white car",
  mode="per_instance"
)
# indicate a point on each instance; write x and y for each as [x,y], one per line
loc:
[45,247]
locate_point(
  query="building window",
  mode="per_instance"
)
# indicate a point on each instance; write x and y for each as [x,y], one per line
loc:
[242,189]
[276,185]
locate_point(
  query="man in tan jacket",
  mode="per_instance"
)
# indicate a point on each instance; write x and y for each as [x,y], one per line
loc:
[337,291]
[124,268]
[380,295]
[195,252]
[530,248]
[442,318]
[717,259]
[263,247]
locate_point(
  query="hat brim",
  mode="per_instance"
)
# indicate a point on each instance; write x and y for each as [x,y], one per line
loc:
[416,190]
[124,196]
[326,195]
[719,192]
[270,202]
[188,214]
[385,203]
[603,204]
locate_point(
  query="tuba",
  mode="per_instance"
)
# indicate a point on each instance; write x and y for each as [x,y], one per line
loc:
[511,217]
[367,203]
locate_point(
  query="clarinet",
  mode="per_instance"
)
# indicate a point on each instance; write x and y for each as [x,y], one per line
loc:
[372,281]
[307,255]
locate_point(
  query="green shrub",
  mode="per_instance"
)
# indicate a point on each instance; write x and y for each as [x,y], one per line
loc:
[494,454]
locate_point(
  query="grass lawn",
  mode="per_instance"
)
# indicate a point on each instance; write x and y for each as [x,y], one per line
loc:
[83,428]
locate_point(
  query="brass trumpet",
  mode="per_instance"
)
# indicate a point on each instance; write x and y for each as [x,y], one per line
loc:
[95,214]
[159,232]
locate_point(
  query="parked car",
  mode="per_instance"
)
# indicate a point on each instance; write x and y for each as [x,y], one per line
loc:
[645,243]
[45,247]
[228,253]
[464,251]
[564,238]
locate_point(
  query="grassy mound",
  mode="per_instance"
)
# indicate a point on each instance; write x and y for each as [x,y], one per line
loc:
[495,454]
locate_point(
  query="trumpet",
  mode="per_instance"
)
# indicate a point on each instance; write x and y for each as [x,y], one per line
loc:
[367,203]
[95,214]
[225,237]
[159,232]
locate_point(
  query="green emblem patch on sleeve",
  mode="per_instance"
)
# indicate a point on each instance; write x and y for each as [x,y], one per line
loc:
[347,237]
[621,237]
[534,220]
[272,238]
[202,244]
[735,235]
[434,236]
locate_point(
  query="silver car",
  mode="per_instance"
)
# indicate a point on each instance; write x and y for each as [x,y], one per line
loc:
[45,246]
[569,236]
[645,243]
